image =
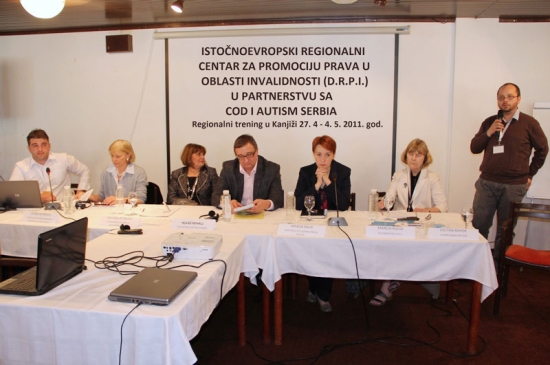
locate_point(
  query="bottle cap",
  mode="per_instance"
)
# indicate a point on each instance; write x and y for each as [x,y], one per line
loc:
[290,193]
[226,192]
[374,191]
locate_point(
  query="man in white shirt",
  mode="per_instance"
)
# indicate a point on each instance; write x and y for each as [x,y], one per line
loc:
[60,166]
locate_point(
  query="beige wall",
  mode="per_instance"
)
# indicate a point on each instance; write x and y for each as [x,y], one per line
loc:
[86,98]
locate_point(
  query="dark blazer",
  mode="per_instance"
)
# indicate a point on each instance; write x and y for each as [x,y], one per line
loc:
[267,182]
[306,186]
[177,187]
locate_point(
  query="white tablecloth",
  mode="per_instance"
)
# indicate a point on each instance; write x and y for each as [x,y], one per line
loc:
[418,259]
[76,324]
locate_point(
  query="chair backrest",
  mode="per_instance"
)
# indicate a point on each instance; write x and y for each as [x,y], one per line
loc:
[527,210]
[352,201]
[538,212]
[154,196]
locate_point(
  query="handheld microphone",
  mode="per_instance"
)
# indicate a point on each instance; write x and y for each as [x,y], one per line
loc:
[500,116]
[52,205]
[336,221]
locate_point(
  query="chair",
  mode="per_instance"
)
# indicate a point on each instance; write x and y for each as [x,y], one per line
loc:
[518,255]
[154,196]
[12,263]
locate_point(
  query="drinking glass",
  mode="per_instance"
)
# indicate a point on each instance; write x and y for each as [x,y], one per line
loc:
[309,203]
[467,215]
[132,199]
[389,201]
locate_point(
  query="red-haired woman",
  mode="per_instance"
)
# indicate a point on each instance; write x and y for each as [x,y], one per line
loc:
[317,179]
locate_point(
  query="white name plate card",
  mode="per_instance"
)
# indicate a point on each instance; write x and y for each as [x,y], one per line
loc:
[116,221]
[41,217]
[391,232]
[196,224]
[301,230]
[459,234]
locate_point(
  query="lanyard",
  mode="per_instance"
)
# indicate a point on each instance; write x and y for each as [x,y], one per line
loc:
[194,186]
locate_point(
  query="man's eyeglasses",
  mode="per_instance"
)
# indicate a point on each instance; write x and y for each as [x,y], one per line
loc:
[248,156]
[507,97]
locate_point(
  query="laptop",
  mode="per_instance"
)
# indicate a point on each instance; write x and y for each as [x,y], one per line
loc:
[20,194]
[153,286]
[60,256]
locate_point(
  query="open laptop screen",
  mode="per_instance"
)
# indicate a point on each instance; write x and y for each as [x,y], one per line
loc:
[20,194]
[61,254]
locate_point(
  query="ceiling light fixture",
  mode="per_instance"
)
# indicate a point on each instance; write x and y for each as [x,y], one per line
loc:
[44,9]
[177,6]
[380,2]
[343,2]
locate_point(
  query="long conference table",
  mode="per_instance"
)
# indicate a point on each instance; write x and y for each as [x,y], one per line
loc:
[76,323]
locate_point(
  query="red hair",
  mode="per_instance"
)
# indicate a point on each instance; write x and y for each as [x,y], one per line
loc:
[326,142]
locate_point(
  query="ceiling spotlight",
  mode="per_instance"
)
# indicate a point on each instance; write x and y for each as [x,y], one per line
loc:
[380,2]
[44,9]
[177,6]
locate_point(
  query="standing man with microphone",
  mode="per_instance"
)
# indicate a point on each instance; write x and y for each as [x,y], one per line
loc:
[506,140]
[59,166]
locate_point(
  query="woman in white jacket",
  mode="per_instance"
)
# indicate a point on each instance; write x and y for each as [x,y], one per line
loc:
[415,189]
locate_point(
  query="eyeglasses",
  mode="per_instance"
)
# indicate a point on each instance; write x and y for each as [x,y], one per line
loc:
[248,156]
[507,97]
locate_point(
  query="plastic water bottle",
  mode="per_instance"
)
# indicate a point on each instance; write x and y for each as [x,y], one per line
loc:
[373,204]
[226,206]
[119,199]
[290,207]
[68,200]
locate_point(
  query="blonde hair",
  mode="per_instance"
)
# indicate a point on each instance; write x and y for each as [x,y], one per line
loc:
[418,145]
[123,146]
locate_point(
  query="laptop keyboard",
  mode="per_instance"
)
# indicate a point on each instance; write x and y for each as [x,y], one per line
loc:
[21,282]
[27,284]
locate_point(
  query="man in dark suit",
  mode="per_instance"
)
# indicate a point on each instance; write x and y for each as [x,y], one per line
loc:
[250,179]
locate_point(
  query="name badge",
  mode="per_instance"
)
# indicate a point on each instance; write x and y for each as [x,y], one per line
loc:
[457,234]
[40,217]
[301,230]
[195,224]
[391,232]
[116,221]
[498,149]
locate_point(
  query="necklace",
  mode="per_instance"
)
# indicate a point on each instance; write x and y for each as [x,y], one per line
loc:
[191,191]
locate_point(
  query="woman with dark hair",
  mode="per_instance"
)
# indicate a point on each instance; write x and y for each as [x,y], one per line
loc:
[193,183]
[317,179]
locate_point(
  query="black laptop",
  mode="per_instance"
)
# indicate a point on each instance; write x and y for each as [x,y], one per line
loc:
[60,256]
[19,194]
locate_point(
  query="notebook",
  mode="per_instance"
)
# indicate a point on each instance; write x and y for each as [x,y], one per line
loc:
[60,256]
[153,286]
[20,194]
